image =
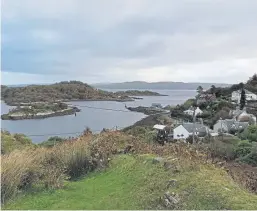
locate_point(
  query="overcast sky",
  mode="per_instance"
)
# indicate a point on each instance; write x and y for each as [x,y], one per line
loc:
[115,41]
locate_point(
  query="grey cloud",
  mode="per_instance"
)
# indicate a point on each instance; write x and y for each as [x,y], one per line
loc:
[130,36]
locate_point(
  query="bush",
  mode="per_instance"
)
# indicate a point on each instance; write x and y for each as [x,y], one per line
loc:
[222,150]
[11,142]
[250,158]
[250,133]
[243,148]
[52,141]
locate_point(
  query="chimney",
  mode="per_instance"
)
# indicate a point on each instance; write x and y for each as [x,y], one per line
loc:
[201,120]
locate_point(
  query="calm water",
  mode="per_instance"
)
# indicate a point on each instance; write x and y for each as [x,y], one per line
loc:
[41,129]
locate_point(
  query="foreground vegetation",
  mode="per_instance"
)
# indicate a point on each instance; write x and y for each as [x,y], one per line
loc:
[11,142]
[135,182]
[63,91]
[92,172]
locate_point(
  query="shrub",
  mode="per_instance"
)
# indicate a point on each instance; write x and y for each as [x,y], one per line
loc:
[11,142]
[222,150]
[250,158]
[52,141]
[243,148]
[250,133]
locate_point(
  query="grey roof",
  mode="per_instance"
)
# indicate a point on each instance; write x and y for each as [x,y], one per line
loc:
[190,127]
[231,123]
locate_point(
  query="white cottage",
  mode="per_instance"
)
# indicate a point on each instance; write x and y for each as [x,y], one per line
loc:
[184,130]
[190,111]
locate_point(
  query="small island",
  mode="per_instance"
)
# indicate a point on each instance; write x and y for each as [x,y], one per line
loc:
[139,93]
[40,111]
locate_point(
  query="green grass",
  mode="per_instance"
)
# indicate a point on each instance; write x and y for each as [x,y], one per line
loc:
[135,183]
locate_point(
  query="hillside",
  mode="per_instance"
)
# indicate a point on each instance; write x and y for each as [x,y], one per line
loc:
[115,170]
[137,183]
[157,85]
[63,91]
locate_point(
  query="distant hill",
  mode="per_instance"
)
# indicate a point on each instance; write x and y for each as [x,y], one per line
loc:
[63,91]
[157,85]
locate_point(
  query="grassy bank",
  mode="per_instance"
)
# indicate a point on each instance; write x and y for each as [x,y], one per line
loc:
[135,182]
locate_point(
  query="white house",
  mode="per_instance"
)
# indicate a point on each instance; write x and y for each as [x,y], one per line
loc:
[184,130]
[236,96]
[190,111]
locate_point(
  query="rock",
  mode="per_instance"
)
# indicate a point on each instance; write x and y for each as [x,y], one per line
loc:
[167,203]
[172,183]
[157,160]
[170,200]
[168,165]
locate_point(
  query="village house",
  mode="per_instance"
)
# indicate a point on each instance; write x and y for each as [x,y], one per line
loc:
[190,111]
[203,98]
[183,131]
[236,96]
[228,125]
[243,116]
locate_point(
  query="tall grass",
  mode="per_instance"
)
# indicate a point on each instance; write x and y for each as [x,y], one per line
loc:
[19,170]
[50,167]
[22,169]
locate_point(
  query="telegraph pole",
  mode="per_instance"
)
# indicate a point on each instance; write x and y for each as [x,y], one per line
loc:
[194,125]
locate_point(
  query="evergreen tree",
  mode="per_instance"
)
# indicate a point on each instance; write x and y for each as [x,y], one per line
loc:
[213,89]
[242,100]
[199,89]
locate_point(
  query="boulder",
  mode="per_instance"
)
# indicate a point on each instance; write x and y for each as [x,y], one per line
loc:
[169,165]
[157,160]
[170,199]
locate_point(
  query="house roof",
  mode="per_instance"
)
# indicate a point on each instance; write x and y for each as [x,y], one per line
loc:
[159,127]
[190,127]
[231,123]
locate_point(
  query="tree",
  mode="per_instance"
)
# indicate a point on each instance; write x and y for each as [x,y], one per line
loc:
[242,100]
[213,89]
[199,89]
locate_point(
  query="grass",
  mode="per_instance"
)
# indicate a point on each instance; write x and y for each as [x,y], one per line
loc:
[134,182]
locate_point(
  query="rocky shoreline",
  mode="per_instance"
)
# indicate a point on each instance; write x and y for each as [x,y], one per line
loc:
[42,115]
[147,110]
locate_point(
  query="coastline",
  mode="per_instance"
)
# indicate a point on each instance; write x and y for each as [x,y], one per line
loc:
[70,111]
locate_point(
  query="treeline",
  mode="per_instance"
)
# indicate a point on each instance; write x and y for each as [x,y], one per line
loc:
[250,85]
[72,90]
